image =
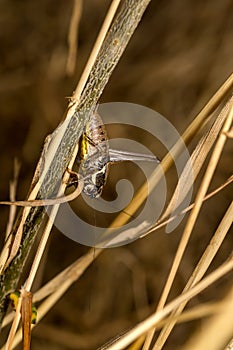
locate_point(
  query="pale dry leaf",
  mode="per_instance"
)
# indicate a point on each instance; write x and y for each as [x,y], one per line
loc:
[192,169]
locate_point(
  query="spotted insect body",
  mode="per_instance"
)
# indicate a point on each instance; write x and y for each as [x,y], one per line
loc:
[95,157]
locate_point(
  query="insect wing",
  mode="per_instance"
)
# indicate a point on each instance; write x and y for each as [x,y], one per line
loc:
[120,156]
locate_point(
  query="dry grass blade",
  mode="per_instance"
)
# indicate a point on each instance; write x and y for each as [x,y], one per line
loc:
[168,160]
[193,167]
[96,48]
[226,113]
[75,271]
[217,331]
[200,269]
[54,210]
[39,176]
[73,36]
[56,287]
[55,159]
[38,256]
[197,312]
[153,320]
[193,216]
[14,326]
[5,259]
[189,78]
[26,312]
[230,133]
[186,210]
[47,202]
[230,345]
[24,307]
[72,273]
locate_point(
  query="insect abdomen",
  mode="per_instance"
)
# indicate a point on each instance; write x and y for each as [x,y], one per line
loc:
[94,157]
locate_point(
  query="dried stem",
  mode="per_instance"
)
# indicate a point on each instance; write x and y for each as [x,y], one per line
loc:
[59,149]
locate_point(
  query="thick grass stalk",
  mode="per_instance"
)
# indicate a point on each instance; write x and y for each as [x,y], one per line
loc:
[65,138]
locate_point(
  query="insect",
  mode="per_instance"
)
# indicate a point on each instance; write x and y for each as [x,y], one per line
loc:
[95,156]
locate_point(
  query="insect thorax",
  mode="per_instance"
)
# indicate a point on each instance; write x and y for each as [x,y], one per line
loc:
[94,157]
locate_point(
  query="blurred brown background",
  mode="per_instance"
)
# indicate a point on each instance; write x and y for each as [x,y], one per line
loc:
[180,54]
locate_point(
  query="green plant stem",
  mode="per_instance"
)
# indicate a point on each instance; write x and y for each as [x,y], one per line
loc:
[112,49]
